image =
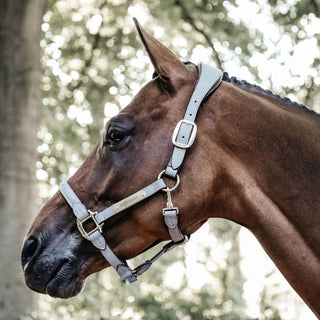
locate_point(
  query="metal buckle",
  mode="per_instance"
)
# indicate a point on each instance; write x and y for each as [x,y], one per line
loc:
[176,132]
[176,209]
[83,232]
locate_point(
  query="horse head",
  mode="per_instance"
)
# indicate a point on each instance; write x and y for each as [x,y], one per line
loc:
[135,147]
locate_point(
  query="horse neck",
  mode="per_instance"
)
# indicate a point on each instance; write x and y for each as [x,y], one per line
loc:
[275,144]
[269,152]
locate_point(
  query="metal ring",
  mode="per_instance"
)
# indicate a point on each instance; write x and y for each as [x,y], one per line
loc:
[174,187]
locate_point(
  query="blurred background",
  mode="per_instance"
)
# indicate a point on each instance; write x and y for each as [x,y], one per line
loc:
[92,63]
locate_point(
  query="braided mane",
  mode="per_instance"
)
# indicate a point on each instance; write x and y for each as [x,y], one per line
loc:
[246,85]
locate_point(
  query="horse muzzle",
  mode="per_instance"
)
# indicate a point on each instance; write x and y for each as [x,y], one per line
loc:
[50,270]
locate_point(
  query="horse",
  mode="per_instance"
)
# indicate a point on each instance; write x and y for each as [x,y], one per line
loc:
[250,157]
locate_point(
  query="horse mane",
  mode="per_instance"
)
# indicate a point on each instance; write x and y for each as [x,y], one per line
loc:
[246,85]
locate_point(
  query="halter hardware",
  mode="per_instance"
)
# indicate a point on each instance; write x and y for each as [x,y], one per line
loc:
[84,233]
[167,189]
[190,141]
[183,137]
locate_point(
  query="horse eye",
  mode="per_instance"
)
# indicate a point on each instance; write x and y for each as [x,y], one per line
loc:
[114,137]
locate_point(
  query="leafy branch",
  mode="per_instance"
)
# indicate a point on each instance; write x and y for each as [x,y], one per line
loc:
[187,17]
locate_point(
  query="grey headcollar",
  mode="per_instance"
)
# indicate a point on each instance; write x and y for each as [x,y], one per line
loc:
[183,137]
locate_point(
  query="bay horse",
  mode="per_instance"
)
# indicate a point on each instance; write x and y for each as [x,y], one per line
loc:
[255,160]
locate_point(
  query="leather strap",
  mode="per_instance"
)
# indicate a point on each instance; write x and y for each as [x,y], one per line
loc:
[131,200]
[208,80]
[183,137]
[171,221]
[97,239]
[143,267]
[79,209]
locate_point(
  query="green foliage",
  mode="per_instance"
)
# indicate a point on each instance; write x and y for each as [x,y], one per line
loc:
[92,66]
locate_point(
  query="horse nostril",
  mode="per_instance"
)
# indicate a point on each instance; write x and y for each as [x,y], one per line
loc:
[31,249]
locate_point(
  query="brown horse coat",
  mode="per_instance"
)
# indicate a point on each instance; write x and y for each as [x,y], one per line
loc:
[255,161]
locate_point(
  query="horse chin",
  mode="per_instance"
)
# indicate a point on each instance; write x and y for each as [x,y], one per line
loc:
[63,279]
[60,287]
[63,283]
[64,288]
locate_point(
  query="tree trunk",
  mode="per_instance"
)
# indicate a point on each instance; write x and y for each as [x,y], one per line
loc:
[20,34]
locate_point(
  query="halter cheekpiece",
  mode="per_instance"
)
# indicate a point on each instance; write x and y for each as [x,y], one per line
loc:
[183,137]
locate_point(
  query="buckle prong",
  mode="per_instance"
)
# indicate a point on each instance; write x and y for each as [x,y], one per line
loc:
[98,226]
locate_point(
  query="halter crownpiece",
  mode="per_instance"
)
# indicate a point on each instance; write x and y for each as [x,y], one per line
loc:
[183,137]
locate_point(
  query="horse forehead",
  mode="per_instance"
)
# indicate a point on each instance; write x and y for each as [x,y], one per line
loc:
[154,103]
[149,93]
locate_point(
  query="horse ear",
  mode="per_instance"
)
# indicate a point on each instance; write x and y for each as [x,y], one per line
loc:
[166,64]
